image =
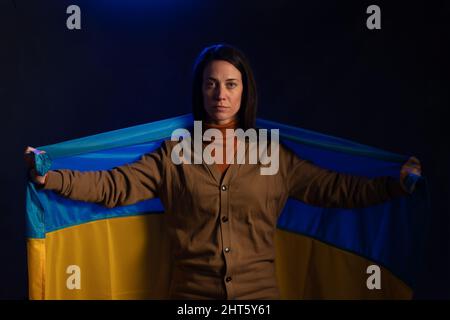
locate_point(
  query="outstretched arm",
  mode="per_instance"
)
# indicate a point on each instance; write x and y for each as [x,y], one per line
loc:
[322,187]
[119,186]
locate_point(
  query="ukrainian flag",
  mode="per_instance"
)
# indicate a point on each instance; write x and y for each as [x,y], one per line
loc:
[79,250]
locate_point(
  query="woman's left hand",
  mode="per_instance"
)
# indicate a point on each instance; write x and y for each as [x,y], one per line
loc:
[412,166]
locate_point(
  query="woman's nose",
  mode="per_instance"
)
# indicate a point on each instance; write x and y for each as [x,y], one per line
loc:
[220,93]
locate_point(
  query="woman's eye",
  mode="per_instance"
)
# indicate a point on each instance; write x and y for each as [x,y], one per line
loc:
[210,84]
[231,85]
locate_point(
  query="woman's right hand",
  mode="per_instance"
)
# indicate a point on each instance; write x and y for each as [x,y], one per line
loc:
[31,165]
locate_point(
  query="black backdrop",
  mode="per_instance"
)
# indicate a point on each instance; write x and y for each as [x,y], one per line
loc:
[317,66]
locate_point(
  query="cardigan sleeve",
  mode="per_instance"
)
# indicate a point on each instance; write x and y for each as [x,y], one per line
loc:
[317,186]
[123,185]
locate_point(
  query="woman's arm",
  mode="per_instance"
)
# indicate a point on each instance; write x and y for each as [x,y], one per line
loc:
[119,186]
[321,187]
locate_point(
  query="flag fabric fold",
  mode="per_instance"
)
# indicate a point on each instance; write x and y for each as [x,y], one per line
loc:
[79,250]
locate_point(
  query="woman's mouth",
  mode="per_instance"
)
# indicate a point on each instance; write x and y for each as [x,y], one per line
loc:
[220,108]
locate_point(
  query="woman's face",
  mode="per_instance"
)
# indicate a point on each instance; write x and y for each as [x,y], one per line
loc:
[222,91]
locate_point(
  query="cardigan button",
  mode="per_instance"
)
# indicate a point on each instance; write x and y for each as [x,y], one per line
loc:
[224,188]
[224,219]
[228,279]
[227,249]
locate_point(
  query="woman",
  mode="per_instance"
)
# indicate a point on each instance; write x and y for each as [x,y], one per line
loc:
[222,217]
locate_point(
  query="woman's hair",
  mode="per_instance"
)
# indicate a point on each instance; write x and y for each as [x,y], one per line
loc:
[247,110]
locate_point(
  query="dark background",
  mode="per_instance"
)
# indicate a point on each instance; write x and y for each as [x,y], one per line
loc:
[317,66]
